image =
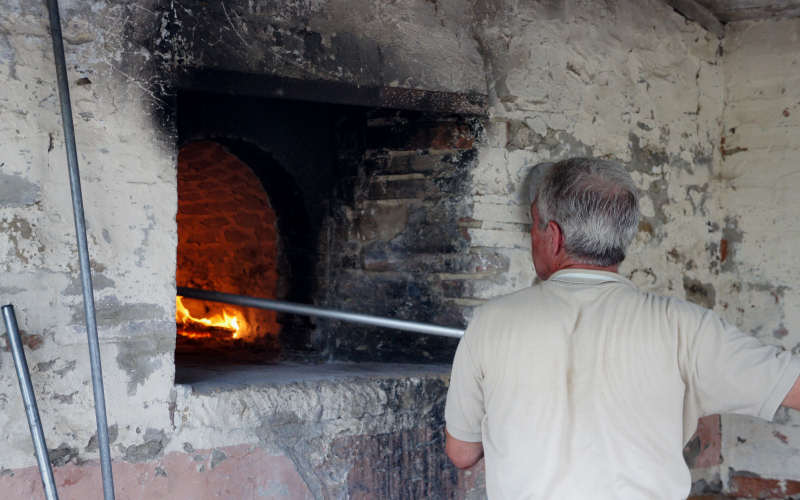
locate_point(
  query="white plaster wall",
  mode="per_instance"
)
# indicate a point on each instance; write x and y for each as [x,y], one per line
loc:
[761,196]
[128,174]
[582,79]
[626,79]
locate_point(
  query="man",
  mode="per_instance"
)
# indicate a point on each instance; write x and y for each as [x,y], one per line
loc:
[583,387]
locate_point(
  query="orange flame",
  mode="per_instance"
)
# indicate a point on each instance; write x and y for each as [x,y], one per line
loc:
[232,321]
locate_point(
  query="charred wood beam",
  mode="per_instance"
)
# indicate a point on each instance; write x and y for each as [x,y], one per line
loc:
[693,11]
[276,87]
[194,330]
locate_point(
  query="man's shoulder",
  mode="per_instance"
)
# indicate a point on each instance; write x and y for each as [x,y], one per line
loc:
[513,300]
[526,301]
[540,298]
[502,312]
[674,308]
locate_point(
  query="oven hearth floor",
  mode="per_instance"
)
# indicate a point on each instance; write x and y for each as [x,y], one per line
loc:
[235,376]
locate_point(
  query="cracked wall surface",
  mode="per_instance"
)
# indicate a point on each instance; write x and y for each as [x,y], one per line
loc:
[708,134]
[628,80]
[128,178]
[632,81]
[761,178]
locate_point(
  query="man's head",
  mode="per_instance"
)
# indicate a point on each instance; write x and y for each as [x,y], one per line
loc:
[585,212]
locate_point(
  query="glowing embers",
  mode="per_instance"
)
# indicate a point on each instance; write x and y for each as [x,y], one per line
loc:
[222,323]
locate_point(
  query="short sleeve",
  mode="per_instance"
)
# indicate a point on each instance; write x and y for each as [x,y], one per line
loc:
[728,371]
[464,410]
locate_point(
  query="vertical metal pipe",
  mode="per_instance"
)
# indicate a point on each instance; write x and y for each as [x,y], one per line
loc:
[83,250]
[29,399]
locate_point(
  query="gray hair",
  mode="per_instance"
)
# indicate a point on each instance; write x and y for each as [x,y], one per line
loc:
[596,204]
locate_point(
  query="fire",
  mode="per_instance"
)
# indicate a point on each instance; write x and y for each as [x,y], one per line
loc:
[229,321]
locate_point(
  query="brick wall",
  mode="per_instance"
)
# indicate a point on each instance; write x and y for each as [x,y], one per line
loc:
[378,211]
[227,237]
[400,246]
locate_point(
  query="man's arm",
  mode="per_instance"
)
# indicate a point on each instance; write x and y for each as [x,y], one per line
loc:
[792,400]
[464,409]
[464,454]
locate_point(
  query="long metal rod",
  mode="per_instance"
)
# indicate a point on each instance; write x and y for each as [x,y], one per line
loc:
[291,307]
[83,250]
[29,399]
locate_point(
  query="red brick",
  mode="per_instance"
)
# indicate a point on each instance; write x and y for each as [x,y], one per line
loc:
[758,487]
[236,237]
[444,135]
[226,228]
[705,447]
[246,472]
[400,189]
[249,219]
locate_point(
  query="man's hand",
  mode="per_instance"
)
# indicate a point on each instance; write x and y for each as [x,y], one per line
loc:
[792,400]
[464,454]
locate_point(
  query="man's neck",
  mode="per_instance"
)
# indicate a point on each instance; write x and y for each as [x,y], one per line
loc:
[576,265]
[579,265]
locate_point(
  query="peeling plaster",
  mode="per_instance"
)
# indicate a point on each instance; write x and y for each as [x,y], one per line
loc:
[17,191]
[112,312]
[152,447]
[731,238]
[113,433]
[21,243]
[700,293]
[63,455]
[99,282]
[217,457]
[140,358]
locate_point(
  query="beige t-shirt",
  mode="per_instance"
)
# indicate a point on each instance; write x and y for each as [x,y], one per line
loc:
[585,387]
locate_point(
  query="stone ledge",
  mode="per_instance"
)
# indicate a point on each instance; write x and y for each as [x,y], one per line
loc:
[330,420]
[208,379]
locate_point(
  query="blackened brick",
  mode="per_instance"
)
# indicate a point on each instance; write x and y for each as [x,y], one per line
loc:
[385,189]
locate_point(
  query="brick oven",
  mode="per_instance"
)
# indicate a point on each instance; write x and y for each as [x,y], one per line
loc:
[336,197]
[227,240]
[320,202]
[347,192]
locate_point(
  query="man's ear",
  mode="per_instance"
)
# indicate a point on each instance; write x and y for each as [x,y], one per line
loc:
[556,237]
